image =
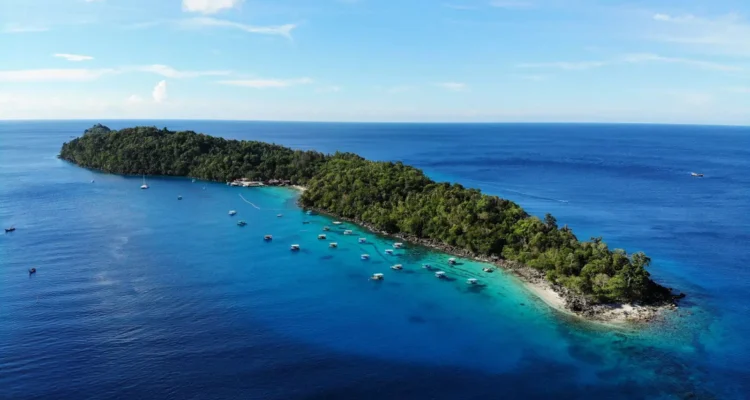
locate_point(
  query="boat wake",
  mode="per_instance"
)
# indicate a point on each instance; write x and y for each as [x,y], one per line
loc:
[245,200]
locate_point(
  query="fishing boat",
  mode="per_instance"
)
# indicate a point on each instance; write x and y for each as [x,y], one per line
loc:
[333,245]
[440,274]
[294,247]
[321,237]
[397,267]
[377,277]
[365,256]
[11,229]
[697,175]
[232,213]
[32,271]
[144,186]
[362,240]
[451,261]
[472,281]
[241,223]
[268,237]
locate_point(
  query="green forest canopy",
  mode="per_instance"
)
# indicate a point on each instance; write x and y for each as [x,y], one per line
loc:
[389,195]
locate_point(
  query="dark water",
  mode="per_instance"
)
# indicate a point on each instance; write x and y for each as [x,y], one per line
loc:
[139,295]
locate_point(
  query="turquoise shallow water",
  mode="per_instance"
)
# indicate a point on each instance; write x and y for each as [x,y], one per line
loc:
[141,295]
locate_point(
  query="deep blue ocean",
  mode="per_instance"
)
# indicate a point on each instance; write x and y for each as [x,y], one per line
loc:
[139,295]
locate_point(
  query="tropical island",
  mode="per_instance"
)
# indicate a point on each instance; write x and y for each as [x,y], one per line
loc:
[588,278]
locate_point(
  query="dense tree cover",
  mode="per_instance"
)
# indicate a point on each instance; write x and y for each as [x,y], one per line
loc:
[391,196]
[153,151]
[398,198]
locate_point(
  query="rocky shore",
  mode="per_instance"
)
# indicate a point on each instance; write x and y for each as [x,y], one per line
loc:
[555,296]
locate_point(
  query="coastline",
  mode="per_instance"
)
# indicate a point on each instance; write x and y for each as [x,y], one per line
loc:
[534,281]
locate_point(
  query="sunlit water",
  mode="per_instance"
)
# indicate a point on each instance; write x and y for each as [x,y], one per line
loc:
[141,295]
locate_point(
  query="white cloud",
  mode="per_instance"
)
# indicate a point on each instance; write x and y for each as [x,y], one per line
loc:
[169,72]
[634,59]
[394,89]
[727,35]
[281,30]
[18,28]
[134,99]
[329,89]
[461,7]
[511,4]
[572,66]
[54,75]
[209,6]
[267,83]
[160,92]
[73,57]
[453,86]
[646,57]
[740,89]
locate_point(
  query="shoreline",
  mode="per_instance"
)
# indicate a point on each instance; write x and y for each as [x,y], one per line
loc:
[535,282]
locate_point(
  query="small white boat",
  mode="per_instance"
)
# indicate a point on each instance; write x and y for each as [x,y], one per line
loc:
[144,186]
[325,228]
[268,237]
[397,267]
[362,240]
[451,261]
[309,213]
[333,245]
[697,175]
[279,215]
[365,256]
[347,232]
[377,277]
[336,222]
[398,245]
[294,247]
[440,274]
[389,251]
[471,281]
[488,269]
[232,212]
[321,237]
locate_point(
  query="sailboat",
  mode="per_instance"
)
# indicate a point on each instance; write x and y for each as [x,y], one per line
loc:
[144,186]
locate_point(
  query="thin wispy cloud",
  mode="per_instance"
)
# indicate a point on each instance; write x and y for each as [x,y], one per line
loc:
[727,34]
[209,6]
[267,83]
[510,4]
[91,74]
[54,75]
[19,28]
[640,58]
[452,86]
[169,72]
[203,22]
[329,89]
[73,57]
[565,65]
[461,7]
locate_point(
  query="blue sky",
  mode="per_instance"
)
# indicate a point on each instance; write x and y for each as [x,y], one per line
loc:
[665,61]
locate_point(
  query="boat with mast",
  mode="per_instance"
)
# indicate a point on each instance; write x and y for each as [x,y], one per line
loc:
[144,186]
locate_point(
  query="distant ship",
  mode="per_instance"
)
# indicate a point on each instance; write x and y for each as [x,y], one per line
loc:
[697,175]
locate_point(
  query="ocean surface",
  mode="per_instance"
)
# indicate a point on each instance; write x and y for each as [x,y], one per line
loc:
[139,295]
